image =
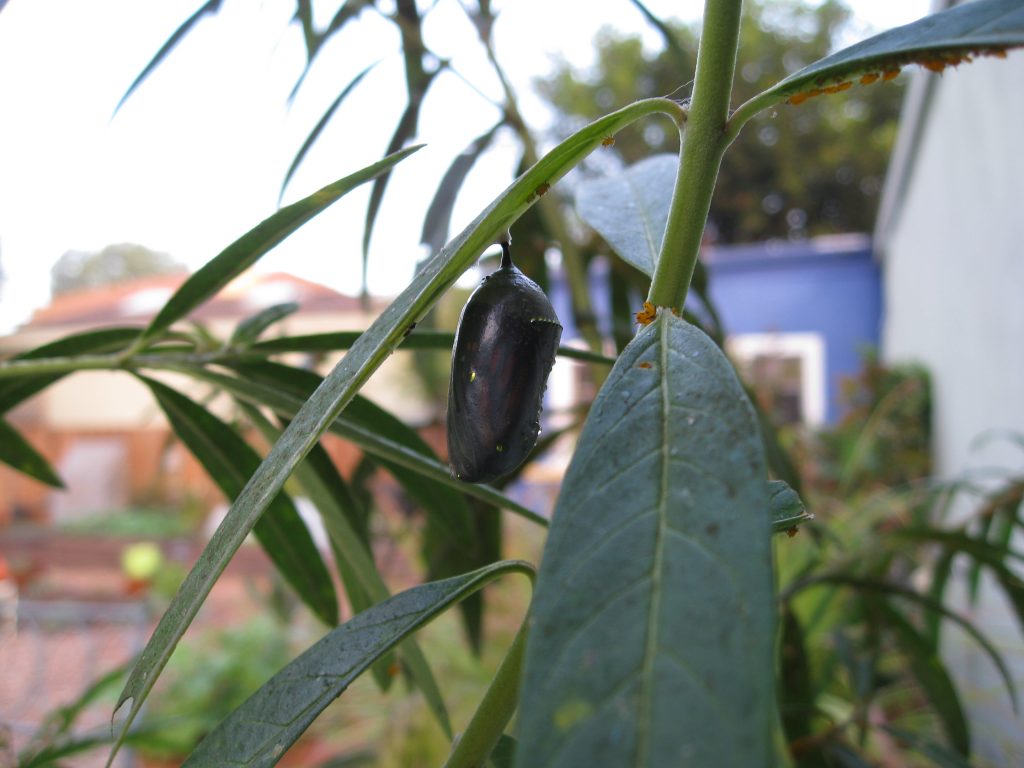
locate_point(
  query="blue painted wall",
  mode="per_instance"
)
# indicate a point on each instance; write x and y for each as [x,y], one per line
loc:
[831,286]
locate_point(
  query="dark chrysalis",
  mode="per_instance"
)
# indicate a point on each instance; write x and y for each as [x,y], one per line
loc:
[504,348]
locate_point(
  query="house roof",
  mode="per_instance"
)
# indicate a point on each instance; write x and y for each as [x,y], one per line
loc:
[137,301]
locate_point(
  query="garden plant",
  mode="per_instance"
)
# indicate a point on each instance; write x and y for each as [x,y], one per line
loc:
[661,632]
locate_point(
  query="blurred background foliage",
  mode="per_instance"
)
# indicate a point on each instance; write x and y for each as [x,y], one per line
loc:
[863,590]
[792,172]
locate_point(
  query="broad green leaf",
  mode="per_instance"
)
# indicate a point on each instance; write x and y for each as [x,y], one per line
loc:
[16,389]
[329,342]
[245,251]
[787,508]
[229,461]
[439,213]
[268,723]
[319,127]
[211,6]
[653,634]
[985,27]
[17,453]
[630,210]
[371,349]
[930,673]
[320,481]
[250,329]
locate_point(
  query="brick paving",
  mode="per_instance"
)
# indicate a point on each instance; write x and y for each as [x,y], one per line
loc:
[78,620]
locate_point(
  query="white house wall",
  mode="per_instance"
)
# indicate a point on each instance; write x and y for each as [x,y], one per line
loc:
[952,246]
[954,260]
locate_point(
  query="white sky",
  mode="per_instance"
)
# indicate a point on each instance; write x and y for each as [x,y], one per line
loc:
[196,156]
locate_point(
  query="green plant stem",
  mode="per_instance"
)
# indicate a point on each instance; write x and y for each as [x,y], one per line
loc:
[495,711]
[703,145]
[46,366]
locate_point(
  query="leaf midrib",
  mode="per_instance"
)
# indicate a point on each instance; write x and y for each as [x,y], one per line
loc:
[653,615]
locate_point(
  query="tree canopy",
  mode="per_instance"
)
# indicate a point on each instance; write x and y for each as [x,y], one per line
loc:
[113,264]
[794,171]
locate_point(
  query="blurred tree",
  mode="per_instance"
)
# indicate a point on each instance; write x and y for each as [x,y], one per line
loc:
[793,171]
[113,264]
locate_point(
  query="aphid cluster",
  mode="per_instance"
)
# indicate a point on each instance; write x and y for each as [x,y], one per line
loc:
[505,346]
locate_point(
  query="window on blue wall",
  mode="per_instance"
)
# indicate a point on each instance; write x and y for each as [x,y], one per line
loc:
[787,373]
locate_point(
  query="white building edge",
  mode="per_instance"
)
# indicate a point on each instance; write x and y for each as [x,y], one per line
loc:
[950,237]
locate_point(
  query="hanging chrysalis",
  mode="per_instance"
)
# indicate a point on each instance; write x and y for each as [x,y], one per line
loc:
[505,346]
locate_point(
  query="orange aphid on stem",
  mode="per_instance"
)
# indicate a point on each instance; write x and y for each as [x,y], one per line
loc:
[646,315]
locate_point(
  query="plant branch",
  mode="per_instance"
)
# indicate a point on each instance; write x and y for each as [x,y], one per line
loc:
[703,145]
[494,712]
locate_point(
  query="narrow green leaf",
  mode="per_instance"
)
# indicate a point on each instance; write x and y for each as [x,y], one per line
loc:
[346,528]
[797,691]
[229,461]
[17,453]
[667,34]
[270,721]
[319,127]
[938,755]
[933,606]
[384,449]
[245,251]
[931,675]
[446,507]
[250,329]
[942,570]
[451,544]
[439,213]
[960,541]
[404,131]
[787,508]
[984,554]
[985,27]
[504,753]
[16,390]
[211,6]
[630,210]
[304,15]
[329,342]
[371,349]
[655,590]
[349,10]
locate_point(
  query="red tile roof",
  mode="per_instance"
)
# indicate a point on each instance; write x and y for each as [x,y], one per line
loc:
[137,301]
